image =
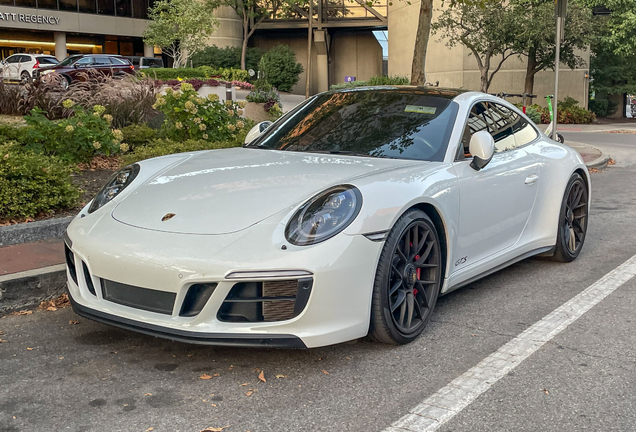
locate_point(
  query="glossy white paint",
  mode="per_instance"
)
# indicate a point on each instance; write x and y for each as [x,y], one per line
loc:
[232,207]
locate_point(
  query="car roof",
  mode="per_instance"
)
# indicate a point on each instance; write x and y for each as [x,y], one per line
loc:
[448,93]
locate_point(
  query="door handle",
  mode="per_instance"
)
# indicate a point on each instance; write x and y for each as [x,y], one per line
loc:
[531,179]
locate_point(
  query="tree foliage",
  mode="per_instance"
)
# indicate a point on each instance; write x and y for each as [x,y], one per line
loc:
[253,13]
[487,30]
[536,33]
[180,27]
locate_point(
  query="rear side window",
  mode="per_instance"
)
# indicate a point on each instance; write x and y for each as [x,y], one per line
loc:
[118,61]
[24,58]
[152,62]
[102,61]
[494,118]
[47,60]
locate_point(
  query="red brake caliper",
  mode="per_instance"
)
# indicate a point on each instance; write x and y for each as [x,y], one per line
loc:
[418,275]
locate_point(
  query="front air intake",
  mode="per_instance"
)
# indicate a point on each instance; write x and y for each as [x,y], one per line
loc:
[70,263]
[267,301]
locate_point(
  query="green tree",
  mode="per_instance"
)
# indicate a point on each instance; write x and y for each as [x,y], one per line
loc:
[618,20]
[536,33]
[253,13]
[180,27]
[487,30]
[280,67]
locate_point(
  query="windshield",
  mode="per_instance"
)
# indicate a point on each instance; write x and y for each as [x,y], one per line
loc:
[378,123]
[69,60]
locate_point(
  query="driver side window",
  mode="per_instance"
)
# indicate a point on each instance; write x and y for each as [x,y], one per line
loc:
[494,118]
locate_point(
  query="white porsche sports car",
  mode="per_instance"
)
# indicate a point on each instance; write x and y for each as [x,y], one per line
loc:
[347,217]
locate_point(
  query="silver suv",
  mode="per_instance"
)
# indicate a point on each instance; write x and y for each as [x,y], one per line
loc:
[20,67]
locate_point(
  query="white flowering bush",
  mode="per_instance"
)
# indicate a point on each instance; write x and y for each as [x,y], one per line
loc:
[74,139]
[191,116]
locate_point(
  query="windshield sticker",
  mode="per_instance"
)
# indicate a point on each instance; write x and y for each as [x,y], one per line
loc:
[420,109]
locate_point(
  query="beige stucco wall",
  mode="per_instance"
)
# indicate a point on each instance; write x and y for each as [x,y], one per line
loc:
[355,53]
[456,67]
[230,29]
[75,22]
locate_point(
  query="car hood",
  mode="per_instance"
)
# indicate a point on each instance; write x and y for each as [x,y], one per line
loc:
[224,191]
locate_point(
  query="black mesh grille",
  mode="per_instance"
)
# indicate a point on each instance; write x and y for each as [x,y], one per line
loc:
[137,297]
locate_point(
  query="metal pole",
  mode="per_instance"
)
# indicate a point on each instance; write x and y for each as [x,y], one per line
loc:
[557,59]
[309,31]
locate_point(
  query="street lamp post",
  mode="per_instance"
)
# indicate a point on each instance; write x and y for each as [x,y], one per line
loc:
[560,12]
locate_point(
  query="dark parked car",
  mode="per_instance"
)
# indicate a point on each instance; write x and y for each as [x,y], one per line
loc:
[73,66]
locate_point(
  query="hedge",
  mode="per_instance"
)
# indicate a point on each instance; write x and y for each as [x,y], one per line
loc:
[201,72]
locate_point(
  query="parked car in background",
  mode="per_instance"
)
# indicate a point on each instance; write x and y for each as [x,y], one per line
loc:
[145,62]
[22,66]
[73,67]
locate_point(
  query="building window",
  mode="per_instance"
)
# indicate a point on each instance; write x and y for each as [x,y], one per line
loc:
[106,7]
[25,3]
[68,5]
[47,4]
[88,6]
[6,2]
[140,9]
[123,8]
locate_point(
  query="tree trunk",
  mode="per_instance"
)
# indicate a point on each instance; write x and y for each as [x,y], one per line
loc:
[484,84]
[528,87]
[245,38]
[418,76]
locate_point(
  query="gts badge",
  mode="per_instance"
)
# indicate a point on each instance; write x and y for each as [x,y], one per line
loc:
[461,261]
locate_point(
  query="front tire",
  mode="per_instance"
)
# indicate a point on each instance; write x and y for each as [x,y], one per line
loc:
[572,220]
[407,281]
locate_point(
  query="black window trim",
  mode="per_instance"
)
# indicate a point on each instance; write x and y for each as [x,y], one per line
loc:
[465,122]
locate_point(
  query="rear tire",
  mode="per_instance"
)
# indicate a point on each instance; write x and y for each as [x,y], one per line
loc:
[407,281]
[25,78]
[572,220]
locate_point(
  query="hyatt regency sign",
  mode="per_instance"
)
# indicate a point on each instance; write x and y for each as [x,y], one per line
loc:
[28,18]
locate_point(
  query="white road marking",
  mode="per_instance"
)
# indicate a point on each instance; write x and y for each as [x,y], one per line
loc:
[449,401]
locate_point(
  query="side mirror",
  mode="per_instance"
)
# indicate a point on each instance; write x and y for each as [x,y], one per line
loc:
[482,147]
[256,131]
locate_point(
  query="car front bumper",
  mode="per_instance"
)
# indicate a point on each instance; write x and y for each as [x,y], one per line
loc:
[338,309]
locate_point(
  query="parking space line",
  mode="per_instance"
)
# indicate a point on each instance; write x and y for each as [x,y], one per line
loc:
[447,402]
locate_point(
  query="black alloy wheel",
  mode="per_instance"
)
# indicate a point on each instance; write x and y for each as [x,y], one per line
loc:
[407,280]
[572,220]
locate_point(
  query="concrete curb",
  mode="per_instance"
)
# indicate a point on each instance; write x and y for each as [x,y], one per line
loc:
[33,231]
[598,163]
[30,288]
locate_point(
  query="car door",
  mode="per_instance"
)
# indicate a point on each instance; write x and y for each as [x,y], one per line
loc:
[102,64]
[81,66]
[495,202]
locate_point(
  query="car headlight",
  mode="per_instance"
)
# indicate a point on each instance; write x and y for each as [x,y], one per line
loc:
[324,215]
[117,183]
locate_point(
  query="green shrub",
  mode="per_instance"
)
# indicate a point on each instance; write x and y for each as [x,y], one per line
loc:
[138,135]
[162,147]
[228,57]
[568,102]
[352,84]
[603,107]
[12,133]
[201,72]
[263,96]
[31,183]
[75,139]
[388,80]
[191,116]
[533,114]
[280,67]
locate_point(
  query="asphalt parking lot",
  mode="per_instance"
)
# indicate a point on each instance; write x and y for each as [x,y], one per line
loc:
[59,375]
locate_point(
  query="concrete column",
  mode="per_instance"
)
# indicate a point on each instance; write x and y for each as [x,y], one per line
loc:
[60,45]
[321,71]
[149,50]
